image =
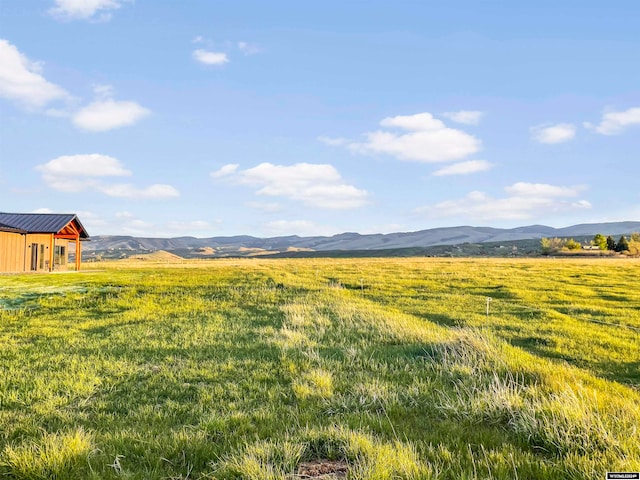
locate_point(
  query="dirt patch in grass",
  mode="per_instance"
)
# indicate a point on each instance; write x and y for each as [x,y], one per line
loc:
[322,469]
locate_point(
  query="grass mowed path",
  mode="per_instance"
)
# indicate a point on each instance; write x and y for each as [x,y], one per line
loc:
[383,368]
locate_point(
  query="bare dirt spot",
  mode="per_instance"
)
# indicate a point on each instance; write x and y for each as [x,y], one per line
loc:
[322,470]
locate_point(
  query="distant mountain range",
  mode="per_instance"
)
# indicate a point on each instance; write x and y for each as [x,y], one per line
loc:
[243,245]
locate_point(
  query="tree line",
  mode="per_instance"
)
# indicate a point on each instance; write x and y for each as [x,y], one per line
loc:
[629,246]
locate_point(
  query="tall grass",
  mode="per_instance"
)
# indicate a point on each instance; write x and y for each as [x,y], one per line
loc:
[53,456]
[246,369]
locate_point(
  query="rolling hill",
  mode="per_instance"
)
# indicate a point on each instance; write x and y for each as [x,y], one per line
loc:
[244,245]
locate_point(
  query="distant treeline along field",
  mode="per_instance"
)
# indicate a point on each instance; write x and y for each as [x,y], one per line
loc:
[598,243]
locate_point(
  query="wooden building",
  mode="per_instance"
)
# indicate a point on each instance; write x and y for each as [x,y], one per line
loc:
[39,242]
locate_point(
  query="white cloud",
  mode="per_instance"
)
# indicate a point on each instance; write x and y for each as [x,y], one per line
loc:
[103,92]
[225,171]
[524,201]
[103,115]
[418,122]
[559,133]
[314,185]
[42,210]
[428,140]
[21,80]
[79,173]
[125,190]
[207,57]
[614,123]
[248,48]
[464,168]
[84,9]
[91,165]
[467,117]
[543,190]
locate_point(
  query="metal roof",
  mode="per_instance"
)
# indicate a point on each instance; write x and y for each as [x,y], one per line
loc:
[40,222]
[9,228]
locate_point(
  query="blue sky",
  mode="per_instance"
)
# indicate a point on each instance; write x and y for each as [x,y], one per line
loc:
[169,118]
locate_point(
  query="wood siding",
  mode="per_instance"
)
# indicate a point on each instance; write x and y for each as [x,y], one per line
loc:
[16,252]
[12,252]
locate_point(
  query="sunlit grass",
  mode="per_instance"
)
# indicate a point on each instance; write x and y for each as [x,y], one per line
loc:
[54,456]
[245,368]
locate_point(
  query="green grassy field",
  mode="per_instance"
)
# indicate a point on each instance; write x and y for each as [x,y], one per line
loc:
[248,368]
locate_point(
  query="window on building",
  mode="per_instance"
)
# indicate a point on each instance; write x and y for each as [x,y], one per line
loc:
[60,255]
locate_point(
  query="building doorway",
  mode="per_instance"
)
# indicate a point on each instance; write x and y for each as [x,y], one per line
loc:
[34,257]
